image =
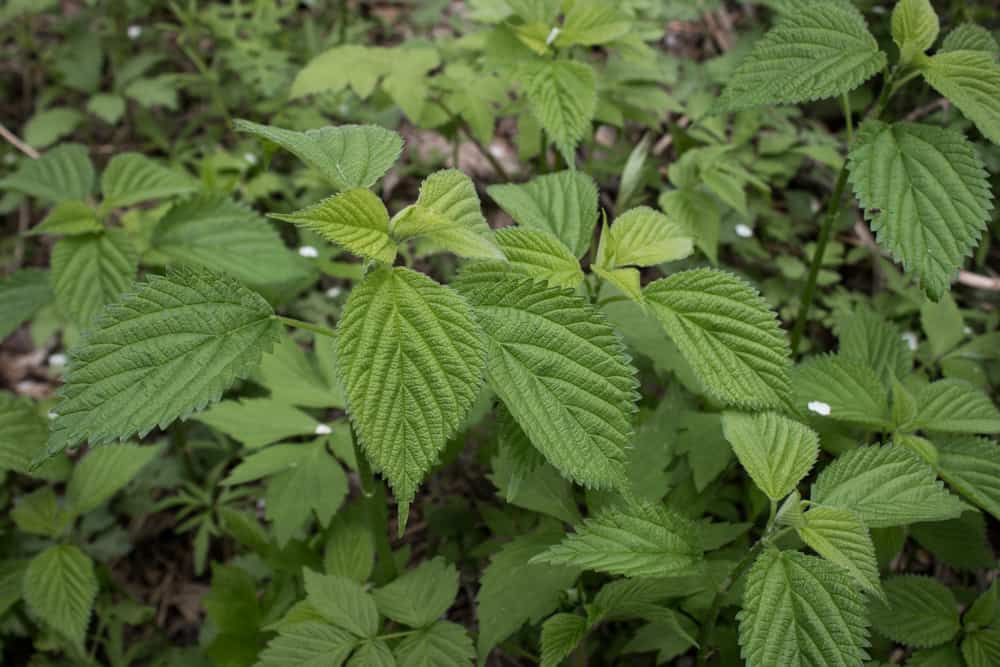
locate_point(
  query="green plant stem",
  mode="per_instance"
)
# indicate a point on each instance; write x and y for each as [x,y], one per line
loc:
[832,210]
[713,613]
[848,119]
[580,655]
[464,129]
[308,326]
[374,500]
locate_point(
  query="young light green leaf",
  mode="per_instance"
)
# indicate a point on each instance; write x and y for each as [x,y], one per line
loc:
[727,333]
[411,361]
[309,644]
[91,271]
[561,371]
[447,214]
[342,602]
[516,589]
[970,37]
[776,451]
[866,339]
[591,22]
[22,432]
[801,611]
[61,174]
[886,486]
[419,597]
[971,466]
[22,294]
[69,217]
[561,633]
[167,349]
[699,216]
[839,536]
[926,193]
[355,219]
[918,611]
[834,387]
[915,28]
[443,644]
[131,178]
[563,203]
[349,156]
[103,472]
[817,51]
[634,540]
[540,255]
[982,648]
[60,586]
[300,377]
[955,406]
[563,96]
[219,234]
[256,422]
[971,80]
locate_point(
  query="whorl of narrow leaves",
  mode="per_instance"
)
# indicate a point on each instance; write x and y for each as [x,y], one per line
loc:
[167,349]
[801,611]
[776,451]
[410,357]
[60,586]
[634,540]
[727,333]
[886,486]
[820,50]
[839,536]
[918,611]
[349,156]
[562,372]
[563,96]
[926,193]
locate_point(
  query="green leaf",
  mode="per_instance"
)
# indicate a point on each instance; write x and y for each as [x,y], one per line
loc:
[217,233]
[528,481]
[39,513]
[299,377]
[727,333]
[970,37]
[349,156]
[516,589]
[443,644]
[983,610]
[698,214]
[959,543]
[11,577]
[561,633]
[411,361]
[886,486]
[592,22]
[22,294]
[103,472]
[839,536]
[355,219]
[373,653]
[538,254]
[22,433]
[971,80]
[801,611]
[955,406]
[818,51]
[308,645]
[971,466]
[167,349]
[834,387]
[256,422]
[91,271]
[563,203]
[61,174]
[342,602]
[925,191]
[131,178]
[919,611]
[915,28]
[69,217]
[633,540]
[60,587]
[562,95]
[419,597]
[350,548]
[942,656]
[982,648]
[561,371]
[776,451]
[109,107]
[47,127]
[868,340]
[447,214]
[943,324]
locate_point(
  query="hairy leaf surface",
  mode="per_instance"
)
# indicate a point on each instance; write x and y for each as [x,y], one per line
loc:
[776,451]
[563,96]
[839,536]
[918,611]
[91,271]
[971,466]
[540,255]
[970,79]
[838,388]
[957,407]
[60,586]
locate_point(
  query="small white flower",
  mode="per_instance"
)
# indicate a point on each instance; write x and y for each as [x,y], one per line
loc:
[552,36]
[819,407]
[9,158]
[57,360]
[911,340]
[744,231]
[52,415]
[323,429]
[967,331]
[134,31]
[496,151]
[250,158]
[308,251]
[334,292]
